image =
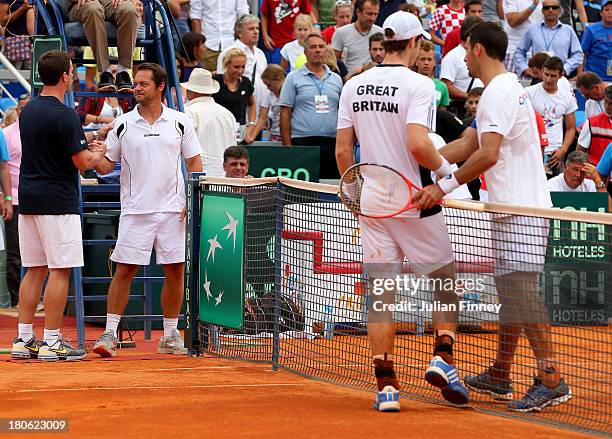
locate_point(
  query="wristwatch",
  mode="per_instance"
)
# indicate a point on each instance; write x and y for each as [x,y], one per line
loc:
[601,185]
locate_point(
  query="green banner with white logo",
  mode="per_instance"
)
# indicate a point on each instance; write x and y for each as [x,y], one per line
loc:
[298,162]
[221,260]
[578,271]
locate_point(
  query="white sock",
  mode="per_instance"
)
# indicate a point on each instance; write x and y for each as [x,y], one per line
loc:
[121,68]
[170,325]
[109,69]
[25,331]
[112,323]
[51,336]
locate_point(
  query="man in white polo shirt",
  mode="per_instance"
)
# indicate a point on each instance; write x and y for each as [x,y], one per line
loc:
[151,142]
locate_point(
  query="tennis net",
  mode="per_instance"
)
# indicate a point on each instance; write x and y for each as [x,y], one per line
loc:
[307,296]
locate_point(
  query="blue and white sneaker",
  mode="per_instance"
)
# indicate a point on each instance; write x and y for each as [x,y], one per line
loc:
[445,377]
[539,397]
[387,400]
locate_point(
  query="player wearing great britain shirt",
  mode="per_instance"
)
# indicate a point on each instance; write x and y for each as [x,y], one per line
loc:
[390,110]
[150,141]
[511,159]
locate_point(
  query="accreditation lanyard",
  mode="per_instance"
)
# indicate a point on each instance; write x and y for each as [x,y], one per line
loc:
[321,102]
[548,43]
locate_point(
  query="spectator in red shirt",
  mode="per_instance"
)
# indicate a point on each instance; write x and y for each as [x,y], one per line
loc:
[445,19]
[343,12]
[277,18]
[473,8]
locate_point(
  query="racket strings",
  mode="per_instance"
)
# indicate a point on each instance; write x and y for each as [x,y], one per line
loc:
[375,191]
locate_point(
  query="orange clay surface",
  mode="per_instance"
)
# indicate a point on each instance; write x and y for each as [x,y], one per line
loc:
[140,393]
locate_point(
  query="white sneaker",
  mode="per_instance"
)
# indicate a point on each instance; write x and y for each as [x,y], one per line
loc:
[173,344]
[60,350]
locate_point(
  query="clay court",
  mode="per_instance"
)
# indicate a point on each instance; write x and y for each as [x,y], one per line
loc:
[142,394]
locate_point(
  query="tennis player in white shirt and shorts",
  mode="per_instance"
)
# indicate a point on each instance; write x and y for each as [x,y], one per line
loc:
[390,109]
[508,153]
[151,142]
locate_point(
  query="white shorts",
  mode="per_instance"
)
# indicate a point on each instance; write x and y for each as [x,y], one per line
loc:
[423,241]
[139,233]
[54,241]
[519,244]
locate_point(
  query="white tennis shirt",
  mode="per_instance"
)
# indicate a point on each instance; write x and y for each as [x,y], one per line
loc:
[518,176]
[378,104]
[150,154]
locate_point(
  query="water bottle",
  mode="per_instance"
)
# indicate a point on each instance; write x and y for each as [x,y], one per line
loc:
[328,331]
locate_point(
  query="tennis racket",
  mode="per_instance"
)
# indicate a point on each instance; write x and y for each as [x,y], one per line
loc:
[379,191]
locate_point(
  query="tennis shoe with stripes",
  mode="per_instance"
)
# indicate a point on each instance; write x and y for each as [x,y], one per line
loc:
[106,344]
[540,396]
[173,344]
[25,350]
[445,377]
[387,400]
[61,350]
[485,383]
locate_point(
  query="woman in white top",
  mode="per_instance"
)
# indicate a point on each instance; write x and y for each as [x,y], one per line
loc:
[295,49]
[269,111]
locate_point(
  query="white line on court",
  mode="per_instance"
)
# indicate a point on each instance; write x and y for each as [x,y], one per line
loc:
[212,386]
[165,369]
[186,368]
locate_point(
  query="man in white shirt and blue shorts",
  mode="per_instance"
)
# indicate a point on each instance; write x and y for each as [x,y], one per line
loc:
[390,110]
[151,142]
[508,153]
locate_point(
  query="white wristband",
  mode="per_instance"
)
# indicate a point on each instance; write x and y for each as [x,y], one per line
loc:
[444,169]
[448,184]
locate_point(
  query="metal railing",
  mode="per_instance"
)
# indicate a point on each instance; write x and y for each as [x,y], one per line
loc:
[12,73]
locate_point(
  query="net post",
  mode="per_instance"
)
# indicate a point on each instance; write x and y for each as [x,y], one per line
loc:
[278,227]
[192,264]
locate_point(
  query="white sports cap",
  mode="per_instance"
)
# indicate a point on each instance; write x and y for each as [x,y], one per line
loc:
[405,25]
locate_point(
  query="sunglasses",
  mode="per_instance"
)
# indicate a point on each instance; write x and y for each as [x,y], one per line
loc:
[23,96]
[554,8]
[344,3]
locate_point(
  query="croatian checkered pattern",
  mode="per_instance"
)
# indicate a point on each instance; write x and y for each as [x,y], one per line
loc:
[446,19]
